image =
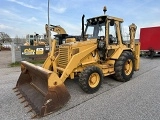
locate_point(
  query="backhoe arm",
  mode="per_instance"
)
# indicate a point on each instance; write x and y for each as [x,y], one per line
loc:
[134,46]
[132,32]
[57,29]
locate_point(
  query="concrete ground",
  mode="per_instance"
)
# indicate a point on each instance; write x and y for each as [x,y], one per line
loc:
[5,59]
[137,99]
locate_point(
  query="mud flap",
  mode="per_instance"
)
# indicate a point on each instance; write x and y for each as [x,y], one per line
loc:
[35,88]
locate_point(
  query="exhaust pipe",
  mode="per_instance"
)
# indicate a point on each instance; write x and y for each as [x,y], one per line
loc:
[83,26]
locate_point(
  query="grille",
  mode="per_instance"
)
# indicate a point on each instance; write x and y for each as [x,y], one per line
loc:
[63,57]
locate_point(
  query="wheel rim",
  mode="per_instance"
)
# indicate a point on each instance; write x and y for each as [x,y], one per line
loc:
[128,67]
[94,80]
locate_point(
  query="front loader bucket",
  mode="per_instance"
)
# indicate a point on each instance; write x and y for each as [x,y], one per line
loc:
[41,89]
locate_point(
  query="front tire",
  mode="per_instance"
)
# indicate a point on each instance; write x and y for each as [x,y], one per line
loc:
[124,67]
[90,79]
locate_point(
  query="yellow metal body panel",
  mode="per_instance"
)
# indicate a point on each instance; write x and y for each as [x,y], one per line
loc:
[76,59]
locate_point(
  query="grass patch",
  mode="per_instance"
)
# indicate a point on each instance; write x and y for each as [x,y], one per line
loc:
[15,64]
[36,62]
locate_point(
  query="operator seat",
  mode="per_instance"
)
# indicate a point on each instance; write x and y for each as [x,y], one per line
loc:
[111,39]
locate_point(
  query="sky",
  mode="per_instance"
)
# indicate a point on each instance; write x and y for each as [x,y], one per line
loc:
[22,17]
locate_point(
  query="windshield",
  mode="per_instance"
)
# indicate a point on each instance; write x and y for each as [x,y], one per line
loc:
[95,31]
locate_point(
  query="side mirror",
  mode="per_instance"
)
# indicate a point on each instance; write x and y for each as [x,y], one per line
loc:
[112,22]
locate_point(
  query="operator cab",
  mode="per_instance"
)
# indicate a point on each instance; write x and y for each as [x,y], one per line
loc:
[103,27]
[107,31]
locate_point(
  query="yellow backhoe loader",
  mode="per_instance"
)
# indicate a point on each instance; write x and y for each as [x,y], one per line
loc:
[61,33]
[60,36]
[101,52]
[35,42]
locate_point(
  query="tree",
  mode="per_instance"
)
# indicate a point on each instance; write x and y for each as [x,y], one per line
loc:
[4,37]
[18,40]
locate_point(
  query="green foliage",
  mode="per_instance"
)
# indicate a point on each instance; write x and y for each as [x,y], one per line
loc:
[15,64]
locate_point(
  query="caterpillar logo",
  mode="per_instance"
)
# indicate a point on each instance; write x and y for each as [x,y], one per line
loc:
[28,51]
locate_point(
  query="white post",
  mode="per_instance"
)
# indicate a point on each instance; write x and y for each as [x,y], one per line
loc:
[13,52]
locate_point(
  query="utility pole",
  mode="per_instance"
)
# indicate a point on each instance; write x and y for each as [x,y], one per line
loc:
[49,34]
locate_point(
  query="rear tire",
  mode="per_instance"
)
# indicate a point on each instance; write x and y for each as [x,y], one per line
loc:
[90,79]
[124,67]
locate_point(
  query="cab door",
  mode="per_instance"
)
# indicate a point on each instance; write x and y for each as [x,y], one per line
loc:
[113,39]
